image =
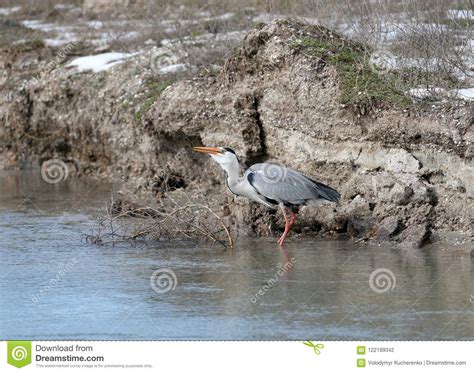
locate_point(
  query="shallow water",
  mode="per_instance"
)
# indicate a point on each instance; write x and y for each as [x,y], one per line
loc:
[54,285]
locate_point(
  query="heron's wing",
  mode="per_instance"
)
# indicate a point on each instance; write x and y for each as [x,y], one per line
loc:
[285,185]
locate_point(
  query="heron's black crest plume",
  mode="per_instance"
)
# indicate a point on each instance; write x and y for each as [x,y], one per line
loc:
[230,150]
[233,152]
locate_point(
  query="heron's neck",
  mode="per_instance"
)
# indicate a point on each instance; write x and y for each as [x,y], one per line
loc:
[232,172]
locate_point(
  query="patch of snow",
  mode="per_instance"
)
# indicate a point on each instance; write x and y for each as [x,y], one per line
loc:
[420,93]
[99,62]
[167,42]
[231,35]
[176,68]
[129,35]
[387,32]
[461,14]
[386,60]
[222,17]
[36,25]
[267,17]
[224,36]
[384,32]
[172,25]
[107,37]
[95,24]
[465,93]
[65,34]
[8,11]
[46,27]
[311,21]
[64,39]
[203,14]
[425,92]
[64,6]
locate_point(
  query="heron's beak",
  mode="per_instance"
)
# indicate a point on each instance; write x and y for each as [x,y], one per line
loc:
[206,150]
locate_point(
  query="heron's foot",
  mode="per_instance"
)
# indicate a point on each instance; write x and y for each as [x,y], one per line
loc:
[281,241]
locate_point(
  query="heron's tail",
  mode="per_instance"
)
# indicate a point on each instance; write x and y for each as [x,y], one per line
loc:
[326,192]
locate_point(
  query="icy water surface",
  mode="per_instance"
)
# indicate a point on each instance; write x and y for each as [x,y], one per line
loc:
[54,285]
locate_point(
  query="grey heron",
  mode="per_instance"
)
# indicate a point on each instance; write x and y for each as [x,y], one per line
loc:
[271,185]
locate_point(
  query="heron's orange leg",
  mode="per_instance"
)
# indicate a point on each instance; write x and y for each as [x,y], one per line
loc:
[292,219]
[288,225]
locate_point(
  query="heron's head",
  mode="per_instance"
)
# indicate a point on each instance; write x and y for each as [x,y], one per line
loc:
[226,157]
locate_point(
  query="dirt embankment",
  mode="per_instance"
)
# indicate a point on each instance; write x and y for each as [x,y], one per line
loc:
[287,95]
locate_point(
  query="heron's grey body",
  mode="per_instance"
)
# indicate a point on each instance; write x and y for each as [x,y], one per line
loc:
[272,185]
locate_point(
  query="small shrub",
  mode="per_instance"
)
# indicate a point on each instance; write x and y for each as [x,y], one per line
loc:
[363,87]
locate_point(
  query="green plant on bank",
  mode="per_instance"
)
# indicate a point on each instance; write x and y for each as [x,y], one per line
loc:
[195,33]
[362,85]
[154,91]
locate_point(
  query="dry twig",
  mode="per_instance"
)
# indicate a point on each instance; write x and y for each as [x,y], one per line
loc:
[190,220]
